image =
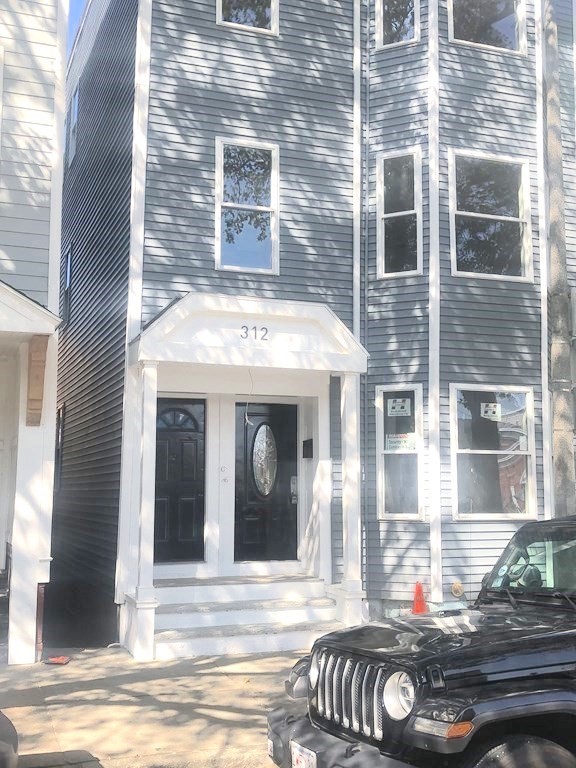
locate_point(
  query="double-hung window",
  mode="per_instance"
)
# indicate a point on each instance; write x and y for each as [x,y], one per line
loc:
[397,22]
[492,450]
[246,206]
[399,451]
[490,213]
[489,23]
[254,15]
[399,207]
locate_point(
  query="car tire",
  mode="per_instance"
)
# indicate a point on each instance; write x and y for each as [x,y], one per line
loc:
[520,751]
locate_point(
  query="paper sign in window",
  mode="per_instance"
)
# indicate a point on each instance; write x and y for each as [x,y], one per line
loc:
[399,406]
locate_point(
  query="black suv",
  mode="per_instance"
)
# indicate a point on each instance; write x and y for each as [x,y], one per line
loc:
[491,686]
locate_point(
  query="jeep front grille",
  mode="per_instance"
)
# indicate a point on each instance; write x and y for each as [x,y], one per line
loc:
[349,692]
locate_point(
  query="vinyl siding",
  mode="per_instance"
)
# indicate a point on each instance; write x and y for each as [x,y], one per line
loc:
[397,552]
[296,91]
[96,225]
[28,58]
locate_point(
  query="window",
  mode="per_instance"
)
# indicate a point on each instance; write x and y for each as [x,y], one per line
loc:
[59,446]
[397,22]
[256,15]
[490,217]
[493,23]
[247,207]
[493,450]
[399,214]
[67,285]
[399,447]
[72,127]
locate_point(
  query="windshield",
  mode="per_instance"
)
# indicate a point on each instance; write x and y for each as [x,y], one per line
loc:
[539,558]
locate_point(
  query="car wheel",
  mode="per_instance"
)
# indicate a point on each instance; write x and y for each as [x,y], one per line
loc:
[520,752]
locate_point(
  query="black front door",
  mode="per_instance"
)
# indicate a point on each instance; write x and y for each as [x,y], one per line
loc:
[266,482]
[179,515]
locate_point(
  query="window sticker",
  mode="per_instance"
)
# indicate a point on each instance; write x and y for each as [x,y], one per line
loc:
[399,406]
[492,411]
[405,442]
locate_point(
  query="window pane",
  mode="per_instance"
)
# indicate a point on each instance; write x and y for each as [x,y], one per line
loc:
[400,243]
[401,484]
[487,186]
[247,175]
[492,484]
[490,22]
[488,246]
[246,239]
[251,13]
[399,184]
[399,421]
[494,421]
[397,21]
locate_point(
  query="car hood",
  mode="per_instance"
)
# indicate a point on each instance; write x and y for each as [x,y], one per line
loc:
[485,641]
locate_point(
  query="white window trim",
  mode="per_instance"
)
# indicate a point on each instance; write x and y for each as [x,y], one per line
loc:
[274,202]
[381,453]
[531,500]
[522,41]
[72,127]
[527,275]
[274,30]
[379,20]
[416,153]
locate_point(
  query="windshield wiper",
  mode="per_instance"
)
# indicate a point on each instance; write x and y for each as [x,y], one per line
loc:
[506,591]
[565,596]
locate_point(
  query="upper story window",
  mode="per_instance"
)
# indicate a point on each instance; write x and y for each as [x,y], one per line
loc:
[256,15]
[72,127]
[399,451]
[247,206]
[492,450]
[491,23]
[67,285]
[399,207]
[490,217]
[397,22]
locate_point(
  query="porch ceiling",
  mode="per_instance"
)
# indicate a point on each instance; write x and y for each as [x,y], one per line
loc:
[215,329]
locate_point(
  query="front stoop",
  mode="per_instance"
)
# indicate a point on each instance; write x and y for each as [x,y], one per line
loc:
[198,617]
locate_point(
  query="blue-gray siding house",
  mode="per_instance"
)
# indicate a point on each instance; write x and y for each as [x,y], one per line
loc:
[304,284]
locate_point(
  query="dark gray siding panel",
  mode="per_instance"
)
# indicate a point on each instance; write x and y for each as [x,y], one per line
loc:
[96,224]
[295,90]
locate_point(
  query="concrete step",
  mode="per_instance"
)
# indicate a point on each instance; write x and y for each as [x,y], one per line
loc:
[281,612]
[241,588]
[238,639]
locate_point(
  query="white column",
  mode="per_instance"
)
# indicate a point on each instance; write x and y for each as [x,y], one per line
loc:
[145,604]
[351,592]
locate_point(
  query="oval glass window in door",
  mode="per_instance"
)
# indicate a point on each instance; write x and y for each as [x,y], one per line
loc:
[264,459]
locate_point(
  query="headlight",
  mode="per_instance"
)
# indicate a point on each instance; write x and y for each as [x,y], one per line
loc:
[398,698]
[314,671]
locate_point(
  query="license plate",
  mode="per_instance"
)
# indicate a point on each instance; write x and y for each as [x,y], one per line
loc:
[270,748]
[301,756]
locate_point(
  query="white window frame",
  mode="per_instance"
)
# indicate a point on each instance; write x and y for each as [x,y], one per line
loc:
[72,127]
[379,20]
[274,207]
[416,153]
[527,275]
[274,30]
[531,512]
[67,286]
[381,453]
[520,20]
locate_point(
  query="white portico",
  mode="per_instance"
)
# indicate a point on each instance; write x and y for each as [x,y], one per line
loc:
[227,471]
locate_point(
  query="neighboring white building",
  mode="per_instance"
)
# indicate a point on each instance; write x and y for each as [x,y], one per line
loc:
[32,66]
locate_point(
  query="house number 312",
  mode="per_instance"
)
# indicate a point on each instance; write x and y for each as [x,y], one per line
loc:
[255,332]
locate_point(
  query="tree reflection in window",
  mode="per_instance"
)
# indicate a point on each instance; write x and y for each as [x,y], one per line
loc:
[490,22]
[489,221]
[174,418]
[399,217]
[249,13]
[247,211]
[398,21]
[264,459]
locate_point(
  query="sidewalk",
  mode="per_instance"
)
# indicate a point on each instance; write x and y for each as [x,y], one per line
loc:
[104,710]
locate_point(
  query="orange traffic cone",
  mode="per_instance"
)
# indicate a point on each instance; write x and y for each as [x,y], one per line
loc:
[419,604]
